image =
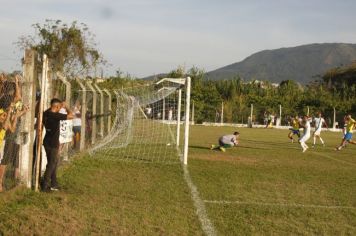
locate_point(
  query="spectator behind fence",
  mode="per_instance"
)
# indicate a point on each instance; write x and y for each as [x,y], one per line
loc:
[12,108]
[10,92]
[8,123]
[2,81]
[77,123]
[51,121]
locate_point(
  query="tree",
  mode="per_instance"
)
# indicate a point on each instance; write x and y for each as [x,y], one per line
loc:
[70,47]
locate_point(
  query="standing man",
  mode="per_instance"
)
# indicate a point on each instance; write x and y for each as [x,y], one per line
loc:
[318,122]
[351,124]
[51,120]
[306,135]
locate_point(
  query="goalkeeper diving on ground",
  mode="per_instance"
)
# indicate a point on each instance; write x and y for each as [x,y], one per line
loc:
[227,141]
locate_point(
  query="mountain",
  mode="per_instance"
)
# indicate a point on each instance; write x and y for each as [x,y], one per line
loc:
[302,63]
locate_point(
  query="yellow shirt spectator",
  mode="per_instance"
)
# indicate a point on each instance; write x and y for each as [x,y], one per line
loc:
[2,136]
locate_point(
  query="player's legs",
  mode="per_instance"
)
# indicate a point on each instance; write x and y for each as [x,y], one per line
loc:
[304,146]
[352,142]
[290,135]
[321,140]
[302,142]
[317,135]
[221,146]
[347,138]
[314,140]
[342,144]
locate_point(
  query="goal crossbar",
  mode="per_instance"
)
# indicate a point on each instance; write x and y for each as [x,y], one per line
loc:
[143,122]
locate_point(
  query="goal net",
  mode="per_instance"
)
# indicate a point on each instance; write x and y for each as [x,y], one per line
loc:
[148,124]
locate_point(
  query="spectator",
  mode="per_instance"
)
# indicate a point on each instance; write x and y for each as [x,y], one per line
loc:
[51,120]
[170,113]
[77,123]
[2,81]
[8,123]
[10,93]
[148,111]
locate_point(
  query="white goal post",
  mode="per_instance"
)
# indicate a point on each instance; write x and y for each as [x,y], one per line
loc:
[147,123]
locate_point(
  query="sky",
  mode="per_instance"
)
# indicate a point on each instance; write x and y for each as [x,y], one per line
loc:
[147,37]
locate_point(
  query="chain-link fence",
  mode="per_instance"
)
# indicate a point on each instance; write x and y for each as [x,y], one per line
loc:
[12,109]
[24,98]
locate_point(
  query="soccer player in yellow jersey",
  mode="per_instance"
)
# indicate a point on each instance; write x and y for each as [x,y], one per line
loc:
[295,128]
[351,124]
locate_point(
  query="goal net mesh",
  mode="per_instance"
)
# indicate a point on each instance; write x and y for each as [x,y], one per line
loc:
[145,122]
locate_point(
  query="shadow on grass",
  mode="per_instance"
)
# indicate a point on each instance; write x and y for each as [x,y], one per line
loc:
[240,146]
[249,147]
[200,147]
[272,145]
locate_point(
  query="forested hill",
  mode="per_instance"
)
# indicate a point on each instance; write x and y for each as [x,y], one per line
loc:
[302,63]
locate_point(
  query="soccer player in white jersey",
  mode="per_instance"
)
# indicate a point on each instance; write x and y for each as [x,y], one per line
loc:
[318,122]
[306,125]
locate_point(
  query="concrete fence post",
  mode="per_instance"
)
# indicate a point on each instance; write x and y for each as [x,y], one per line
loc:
[101,119]
[83,115]
[27,132]
[109,110]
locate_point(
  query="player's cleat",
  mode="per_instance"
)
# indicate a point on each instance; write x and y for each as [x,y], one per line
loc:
[338,148]
[222,149]
[55,188]
[212,147]
[313,146]
[292,140]
[304,149]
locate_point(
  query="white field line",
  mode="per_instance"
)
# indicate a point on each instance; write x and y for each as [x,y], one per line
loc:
[207,226]
[278,204]
[334,159]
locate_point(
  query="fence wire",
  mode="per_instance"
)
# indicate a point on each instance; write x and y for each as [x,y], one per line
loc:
[12,109]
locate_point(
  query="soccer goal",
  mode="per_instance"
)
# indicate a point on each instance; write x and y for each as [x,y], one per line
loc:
[150,123]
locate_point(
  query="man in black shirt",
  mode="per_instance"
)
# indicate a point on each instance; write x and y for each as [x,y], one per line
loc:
[51,121]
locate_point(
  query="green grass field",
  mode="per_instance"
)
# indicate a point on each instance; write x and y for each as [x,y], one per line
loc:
[264,186]
[267,185]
